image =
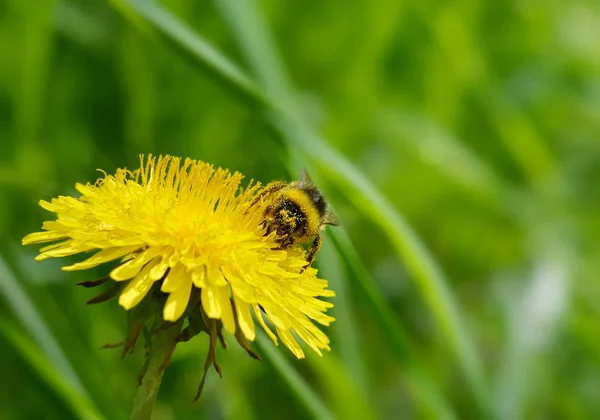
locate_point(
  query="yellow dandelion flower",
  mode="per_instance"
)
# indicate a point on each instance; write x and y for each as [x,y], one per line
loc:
[192,231]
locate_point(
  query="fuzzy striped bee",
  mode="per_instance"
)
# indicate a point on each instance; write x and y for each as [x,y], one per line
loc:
[298,213]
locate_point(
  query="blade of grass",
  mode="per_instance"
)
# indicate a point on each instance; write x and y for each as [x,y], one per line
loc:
[345,380]
[140,88]
[344,332]
[37,40]
[445,153]
[436,146]
[522,139]
[314,405]
[16,297]
[533,323]
[372,298]
[25,310]
[520,136]
[430,399]
[235,400]
[197,50]
[347,401]
[61,324]
[82,407]
[288,121]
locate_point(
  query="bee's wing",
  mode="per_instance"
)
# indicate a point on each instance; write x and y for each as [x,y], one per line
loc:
[305,180]
[331,219]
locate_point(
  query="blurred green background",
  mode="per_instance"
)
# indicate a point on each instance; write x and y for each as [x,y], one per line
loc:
[457,142]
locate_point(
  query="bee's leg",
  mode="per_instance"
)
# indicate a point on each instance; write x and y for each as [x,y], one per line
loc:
[312,251]
[288,241]
[270,188]
[267,222]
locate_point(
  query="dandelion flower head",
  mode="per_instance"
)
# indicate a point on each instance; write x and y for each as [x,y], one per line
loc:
[194,232]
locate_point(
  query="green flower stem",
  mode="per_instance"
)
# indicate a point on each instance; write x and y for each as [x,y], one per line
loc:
[162,344]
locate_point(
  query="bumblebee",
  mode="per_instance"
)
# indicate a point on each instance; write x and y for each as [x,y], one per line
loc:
[297,212]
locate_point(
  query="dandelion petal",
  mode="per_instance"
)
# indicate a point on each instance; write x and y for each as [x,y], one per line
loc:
[244,318]
[210,303]
[177,301]
[176,279]
[65,249]
[198,277]
[101,257]
[37,237]
[262,323]
[137,288]
[222,294]
[291,343]
[215,276]
[131,268]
